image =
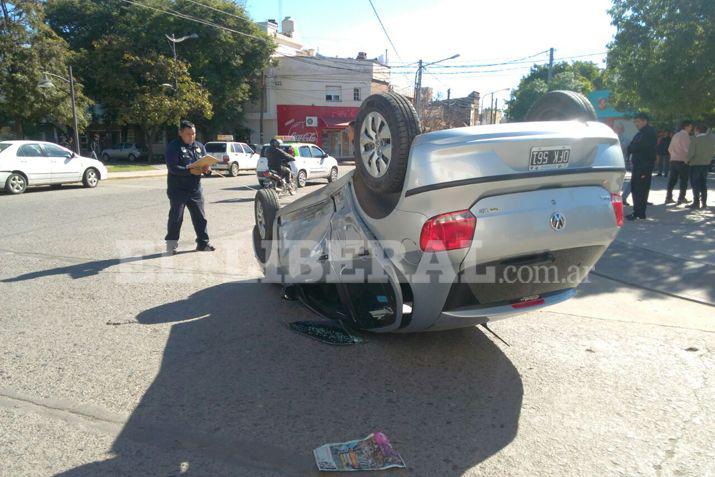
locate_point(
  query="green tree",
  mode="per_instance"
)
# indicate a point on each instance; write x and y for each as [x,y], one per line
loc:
[28,48]
[662,58]
[581,76]
[219,63]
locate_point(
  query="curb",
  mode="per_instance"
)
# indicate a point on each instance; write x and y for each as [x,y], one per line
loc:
[135,175]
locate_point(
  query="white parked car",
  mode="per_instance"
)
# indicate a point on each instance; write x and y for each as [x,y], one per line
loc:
[31,163]
[311,162]
[233,156]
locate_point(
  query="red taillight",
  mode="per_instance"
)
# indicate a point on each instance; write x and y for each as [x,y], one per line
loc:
[226,159]
[528,303]
[617,203]
[448,231]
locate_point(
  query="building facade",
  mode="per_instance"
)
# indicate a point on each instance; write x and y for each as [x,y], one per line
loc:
[312,97]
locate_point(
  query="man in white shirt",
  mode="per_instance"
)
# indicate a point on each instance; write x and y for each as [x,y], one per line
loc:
[678,150]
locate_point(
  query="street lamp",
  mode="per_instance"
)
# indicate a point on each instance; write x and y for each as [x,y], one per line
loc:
[173,41]
[418,81]
[46,83]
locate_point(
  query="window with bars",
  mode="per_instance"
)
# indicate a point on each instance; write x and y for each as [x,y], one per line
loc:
[356,94]
[333,93]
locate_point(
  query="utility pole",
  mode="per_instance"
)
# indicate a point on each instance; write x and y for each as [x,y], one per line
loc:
[263,106]
[491,109]
[418,88]
[449,106]
[494,114]
[74,112]
[551,65]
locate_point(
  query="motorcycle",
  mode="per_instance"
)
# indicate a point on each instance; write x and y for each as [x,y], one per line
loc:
[280,184]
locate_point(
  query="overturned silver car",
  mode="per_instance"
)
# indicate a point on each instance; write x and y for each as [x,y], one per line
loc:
[450,228]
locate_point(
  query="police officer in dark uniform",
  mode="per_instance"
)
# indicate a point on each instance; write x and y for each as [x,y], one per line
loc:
[642,151]
[184,188]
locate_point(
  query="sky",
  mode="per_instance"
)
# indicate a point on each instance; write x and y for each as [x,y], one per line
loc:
[480,32]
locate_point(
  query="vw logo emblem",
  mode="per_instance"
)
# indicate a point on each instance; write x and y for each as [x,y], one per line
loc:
[557,221]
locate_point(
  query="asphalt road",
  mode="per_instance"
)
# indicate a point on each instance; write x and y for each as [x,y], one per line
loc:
[117,361]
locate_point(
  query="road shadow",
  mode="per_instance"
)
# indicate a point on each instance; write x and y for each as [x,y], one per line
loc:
[81,270]
[238,390]
[234,201]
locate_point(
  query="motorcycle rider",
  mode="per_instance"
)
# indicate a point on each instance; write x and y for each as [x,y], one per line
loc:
[279,160]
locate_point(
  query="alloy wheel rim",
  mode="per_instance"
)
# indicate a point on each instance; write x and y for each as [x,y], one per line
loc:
[302,179]
[260,220]
[92,178]
[375,144]
[17,183]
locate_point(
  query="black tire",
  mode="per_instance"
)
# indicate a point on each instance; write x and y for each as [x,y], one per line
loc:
[90,178]
[105,158]
[388,174]
[16,184]
[264,211]
[561,106]
[301,179]
[333,175]
[132,158]
[233,169]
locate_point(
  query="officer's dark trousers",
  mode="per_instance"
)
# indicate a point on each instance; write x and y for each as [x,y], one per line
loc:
[699,182]
[194,201]
[640,188]
[678,171]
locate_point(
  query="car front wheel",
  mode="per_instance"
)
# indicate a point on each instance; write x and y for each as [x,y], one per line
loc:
[16,184]
[302,178]
[90,178]
[333,175]
[132,158]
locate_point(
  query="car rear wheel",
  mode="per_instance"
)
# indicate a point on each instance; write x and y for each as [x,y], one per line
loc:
[15,184]
[385,128]
[561,105]
[233,170]
[302,178]
[333,175]
[105,158]
[265,209]
[132,158]
[90,178]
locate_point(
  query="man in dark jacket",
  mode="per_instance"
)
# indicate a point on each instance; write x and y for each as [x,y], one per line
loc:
[642,150]
[278,159]
[184,188]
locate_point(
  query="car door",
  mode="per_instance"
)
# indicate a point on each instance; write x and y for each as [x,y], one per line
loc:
[34,163]
[66,167]
[321,165]
[251,158]
[307,161]
[236,153]
[368,285]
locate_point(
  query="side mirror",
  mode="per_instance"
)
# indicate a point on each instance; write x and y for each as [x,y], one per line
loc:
[73,155]
[325,155]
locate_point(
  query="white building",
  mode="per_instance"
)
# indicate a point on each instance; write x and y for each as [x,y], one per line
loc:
[312,97]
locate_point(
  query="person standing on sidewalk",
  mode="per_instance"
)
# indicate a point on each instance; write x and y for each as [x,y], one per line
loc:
[678,150]
[663,155]
[184,188]
[700,153]
[642,151]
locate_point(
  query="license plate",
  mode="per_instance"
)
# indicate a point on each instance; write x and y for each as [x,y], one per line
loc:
[549,157]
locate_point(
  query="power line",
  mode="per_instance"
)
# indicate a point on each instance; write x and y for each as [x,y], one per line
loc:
[384,29]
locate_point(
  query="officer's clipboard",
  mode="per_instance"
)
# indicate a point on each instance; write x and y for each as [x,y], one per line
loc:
[206,161]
